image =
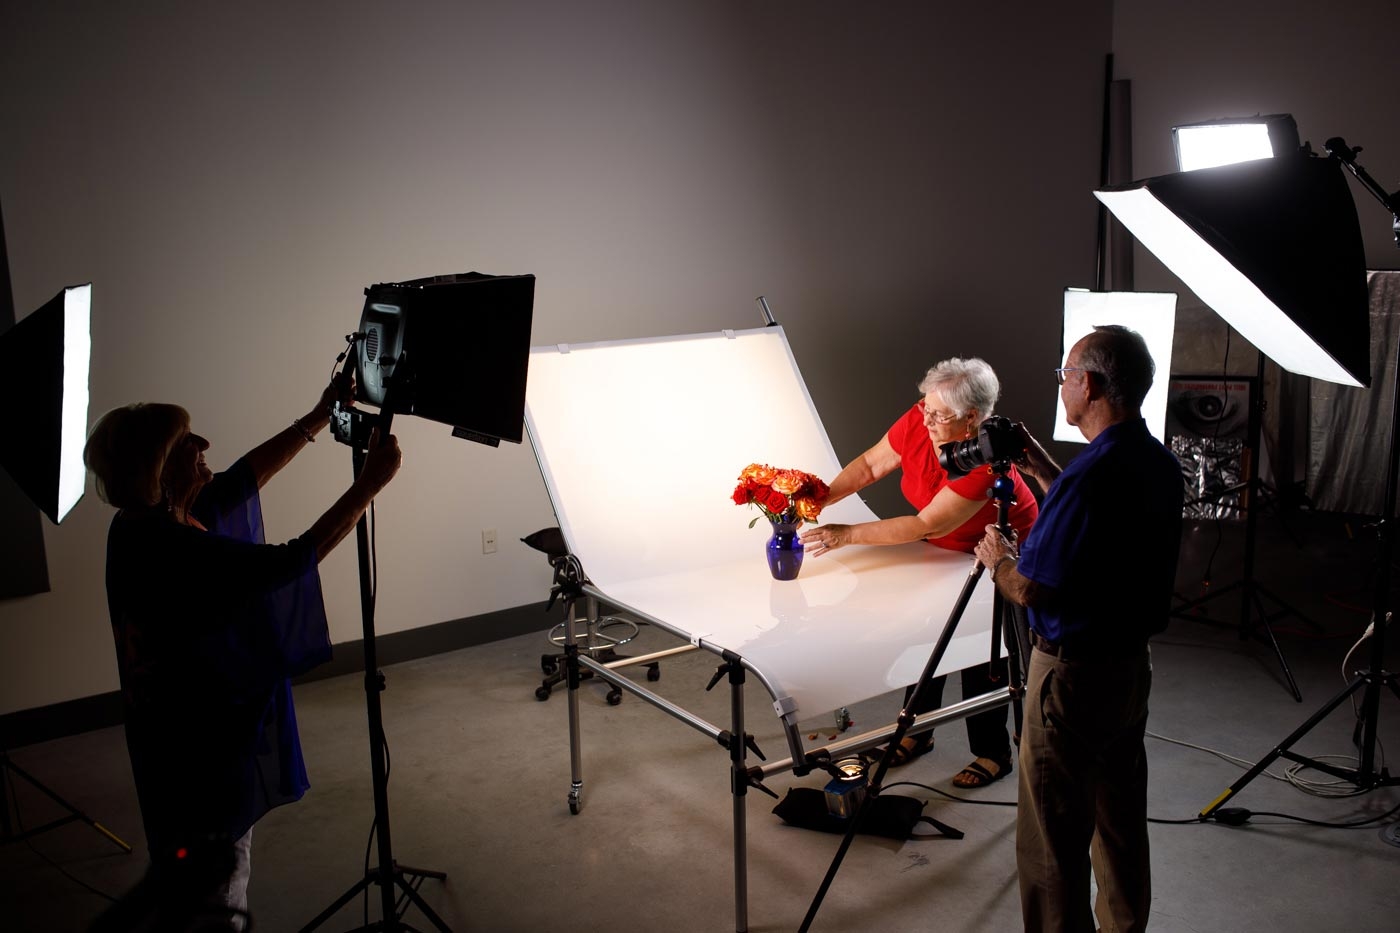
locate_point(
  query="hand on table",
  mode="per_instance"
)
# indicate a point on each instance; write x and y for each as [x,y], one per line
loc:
[822,538]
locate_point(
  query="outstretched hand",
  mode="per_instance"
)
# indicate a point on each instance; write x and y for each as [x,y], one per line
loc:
[993,547]
[1034,461]
[341,389]
[822,538]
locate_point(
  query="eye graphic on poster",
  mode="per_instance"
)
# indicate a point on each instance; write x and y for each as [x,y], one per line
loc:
[1208,409]
[1207,425]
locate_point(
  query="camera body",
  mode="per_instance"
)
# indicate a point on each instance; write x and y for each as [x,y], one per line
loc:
[997,443]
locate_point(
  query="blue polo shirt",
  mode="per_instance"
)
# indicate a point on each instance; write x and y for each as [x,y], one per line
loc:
[1107,540]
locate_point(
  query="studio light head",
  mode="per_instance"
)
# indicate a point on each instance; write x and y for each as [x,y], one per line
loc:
[1228,140]
[1273,246]
[450,348]
[47,355]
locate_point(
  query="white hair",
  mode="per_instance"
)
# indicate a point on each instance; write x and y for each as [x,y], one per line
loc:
[964,385]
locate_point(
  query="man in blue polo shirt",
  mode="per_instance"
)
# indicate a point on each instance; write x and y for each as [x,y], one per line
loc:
[1097,573]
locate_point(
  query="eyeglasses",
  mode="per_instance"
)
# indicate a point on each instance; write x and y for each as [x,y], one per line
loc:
[1060,373]
[937,417]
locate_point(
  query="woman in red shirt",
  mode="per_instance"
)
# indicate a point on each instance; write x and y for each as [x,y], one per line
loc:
[958,395]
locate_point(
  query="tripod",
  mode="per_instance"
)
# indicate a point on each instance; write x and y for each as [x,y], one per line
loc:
[7,831]
[1253,615]
[1370,681]
[389,875]
[1017,644]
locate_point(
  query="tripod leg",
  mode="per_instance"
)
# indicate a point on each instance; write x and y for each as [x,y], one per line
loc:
[341,901]
[906,719]
[1273,643]
[1018,653]
[1282,747]
[411,892]
[75,813]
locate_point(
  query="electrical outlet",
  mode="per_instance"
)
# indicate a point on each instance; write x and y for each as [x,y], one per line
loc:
[488,540]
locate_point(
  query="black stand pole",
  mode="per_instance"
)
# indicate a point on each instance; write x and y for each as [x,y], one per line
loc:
[1002,491]
[1365,776]
[389,875]
[1251,590]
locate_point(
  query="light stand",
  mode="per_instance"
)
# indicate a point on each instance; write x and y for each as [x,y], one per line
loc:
[1002,492]
[7,830]
[48,353]
[1251,589]
[389,875]
[451,349]
[1365,776]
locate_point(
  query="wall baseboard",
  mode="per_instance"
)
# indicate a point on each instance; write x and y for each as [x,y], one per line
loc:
[105,709]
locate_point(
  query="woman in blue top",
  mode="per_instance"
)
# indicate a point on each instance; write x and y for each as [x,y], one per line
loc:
[210,623]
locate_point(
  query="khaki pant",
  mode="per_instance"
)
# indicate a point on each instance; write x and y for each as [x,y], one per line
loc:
[1083,795]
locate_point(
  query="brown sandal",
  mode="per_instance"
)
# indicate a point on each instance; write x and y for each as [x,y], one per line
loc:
[978,775]
[920,744]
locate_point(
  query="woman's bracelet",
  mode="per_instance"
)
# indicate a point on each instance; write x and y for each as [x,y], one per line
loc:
[311,438]
[1001,560]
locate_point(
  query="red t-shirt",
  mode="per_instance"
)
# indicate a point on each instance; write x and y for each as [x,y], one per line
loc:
[923,477]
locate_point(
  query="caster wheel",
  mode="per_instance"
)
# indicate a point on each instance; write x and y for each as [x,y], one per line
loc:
[542,693]
[653,673]
[573,807]
[614,697]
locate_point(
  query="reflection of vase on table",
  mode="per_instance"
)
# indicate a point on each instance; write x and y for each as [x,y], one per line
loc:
[784,551]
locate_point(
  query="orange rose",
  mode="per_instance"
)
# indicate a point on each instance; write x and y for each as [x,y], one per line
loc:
[789,482]
[760,473]
[807,509]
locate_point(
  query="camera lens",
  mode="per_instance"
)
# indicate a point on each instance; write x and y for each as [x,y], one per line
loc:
[997,439]
[960,458]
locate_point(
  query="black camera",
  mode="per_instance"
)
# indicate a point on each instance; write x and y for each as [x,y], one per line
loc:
[998,442]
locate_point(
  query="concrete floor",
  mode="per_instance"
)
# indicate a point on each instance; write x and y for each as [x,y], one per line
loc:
[480,776]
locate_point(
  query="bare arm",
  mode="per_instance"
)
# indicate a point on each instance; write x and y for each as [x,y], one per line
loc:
[945,512]
[269,457]
[875,464]
[1035,462]
[381,463]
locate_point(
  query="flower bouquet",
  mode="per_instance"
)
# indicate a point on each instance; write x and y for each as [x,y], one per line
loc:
[784,497]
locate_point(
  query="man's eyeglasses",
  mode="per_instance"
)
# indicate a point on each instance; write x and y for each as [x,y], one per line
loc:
[937,417]
[1060,373]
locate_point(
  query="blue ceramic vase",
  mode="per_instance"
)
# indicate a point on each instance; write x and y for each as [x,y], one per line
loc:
[784,551]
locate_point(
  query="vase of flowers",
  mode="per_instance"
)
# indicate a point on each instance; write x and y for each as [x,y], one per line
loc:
[787,498]
[785,551]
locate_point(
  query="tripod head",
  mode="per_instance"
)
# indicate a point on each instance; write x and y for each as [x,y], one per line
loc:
[1003,493]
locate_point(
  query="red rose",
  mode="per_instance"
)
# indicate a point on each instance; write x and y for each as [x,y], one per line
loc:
[776,501]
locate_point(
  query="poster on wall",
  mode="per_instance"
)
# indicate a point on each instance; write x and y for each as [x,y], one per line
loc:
[1207,427]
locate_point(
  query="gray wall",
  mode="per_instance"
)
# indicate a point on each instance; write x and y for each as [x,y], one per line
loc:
[904,181]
